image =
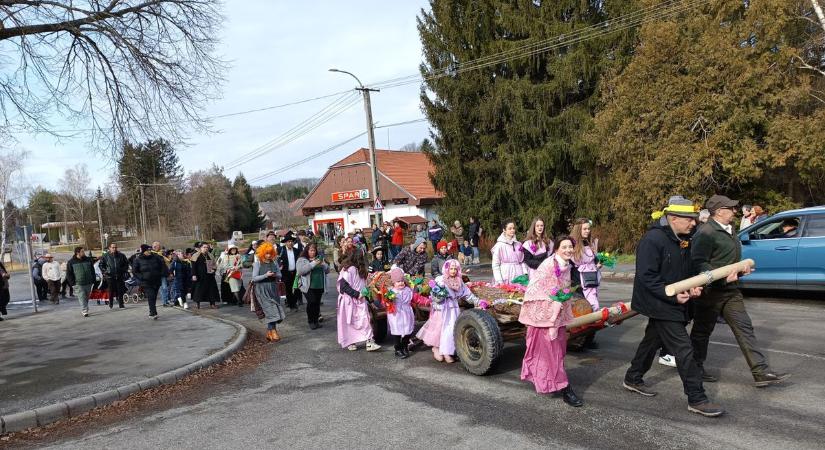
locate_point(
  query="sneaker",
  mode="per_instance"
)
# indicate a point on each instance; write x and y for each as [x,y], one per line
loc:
[85,314]
[400,355]
[667,360]
[706,409]
[352,347]
[313,326]
[769,378]
[180,302]
[186,306]
[372,346]
[638,388]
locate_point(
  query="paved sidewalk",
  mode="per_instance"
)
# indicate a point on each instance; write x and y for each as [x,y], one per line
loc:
[57,355]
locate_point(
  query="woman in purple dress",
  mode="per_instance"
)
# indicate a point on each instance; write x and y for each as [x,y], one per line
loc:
[353,314]
[537,247]
[584,258]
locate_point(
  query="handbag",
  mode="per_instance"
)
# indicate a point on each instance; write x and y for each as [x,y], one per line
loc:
[590,279]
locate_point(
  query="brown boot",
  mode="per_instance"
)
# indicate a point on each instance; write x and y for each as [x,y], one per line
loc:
[269,335]
[275,336]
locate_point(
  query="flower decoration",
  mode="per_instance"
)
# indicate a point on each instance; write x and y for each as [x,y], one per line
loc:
[606,259]
[483,304]
[438,292]
[561,295]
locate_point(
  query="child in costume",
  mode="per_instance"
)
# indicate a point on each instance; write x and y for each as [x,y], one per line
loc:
[446,292]
[353,313]
[401,321]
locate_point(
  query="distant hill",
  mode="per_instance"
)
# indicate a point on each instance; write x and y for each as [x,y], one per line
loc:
[287,190]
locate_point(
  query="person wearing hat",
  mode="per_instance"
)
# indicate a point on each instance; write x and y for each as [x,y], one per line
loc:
[287,258]
[204,288]
[231,265]
[80,273]
[52,275]
[150,269]
[715,245]
[379,262]
[662,258]
[413,259]
[442,254]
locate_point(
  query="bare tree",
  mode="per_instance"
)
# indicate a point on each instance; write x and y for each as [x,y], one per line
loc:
[210,199]
[11,166]
[123,68]
[75,189]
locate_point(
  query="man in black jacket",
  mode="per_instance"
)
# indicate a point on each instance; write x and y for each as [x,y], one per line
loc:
[115,269]
[287,258]
[716,245]
[150,269]
[662,258]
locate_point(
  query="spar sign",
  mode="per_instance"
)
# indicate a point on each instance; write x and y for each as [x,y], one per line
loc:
[348,196]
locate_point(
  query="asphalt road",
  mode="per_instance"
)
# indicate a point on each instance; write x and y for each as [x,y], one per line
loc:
[313,394]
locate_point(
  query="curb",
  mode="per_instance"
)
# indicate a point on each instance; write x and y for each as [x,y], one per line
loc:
[71,408]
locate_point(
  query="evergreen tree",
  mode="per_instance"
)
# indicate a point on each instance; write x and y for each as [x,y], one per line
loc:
[716,100]
[246,214]
[508,137]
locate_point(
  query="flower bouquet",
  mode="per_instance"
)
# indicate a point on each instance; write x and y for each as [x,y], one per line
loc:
[606,259]
[438,292]
[561,295]
[388,301]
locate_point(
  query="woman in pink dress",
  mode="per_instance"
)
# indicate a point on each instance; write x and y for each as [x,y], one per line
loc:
[437,332]
[546,318]
[537,247]
[508,260]
[353,314]
[584,258]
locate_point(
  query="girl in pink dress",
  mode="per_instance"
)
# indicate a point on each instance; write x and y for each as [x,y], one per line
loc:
[537,247]
[584,257]
[508,260]
[437,332]
[546,319]
[353,313]
[401,321]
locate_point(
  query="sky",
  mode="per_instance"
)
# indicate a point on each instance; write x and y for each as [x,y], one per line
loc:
[280,51]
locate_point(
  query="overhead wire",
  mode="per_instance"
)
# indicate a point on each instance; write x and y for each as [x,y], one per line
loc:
[327,150]
[326,114]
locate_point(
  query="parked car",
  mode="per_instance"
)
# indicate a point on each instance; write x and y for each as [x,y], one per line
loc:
[789,250]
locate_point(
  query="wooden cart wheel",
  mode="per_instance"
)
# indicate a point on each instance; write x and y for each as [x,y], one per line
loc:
[478,341]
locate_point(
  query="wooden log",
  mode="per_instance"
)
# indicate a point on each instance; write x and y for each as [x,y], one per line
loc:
[709,277]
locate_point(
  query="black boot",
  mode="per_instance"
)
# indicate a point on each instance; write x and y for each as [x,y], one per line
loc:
[238,298]
[570,397]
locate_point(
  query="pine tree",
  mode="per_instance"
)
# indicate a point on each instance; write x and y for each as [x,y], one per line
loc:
[716,101]
[508,137]
[246,214]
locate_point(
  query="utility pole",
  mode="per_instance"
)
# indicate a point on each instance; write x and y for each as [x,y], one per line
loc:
[100,223]
[371,135]
[142,213]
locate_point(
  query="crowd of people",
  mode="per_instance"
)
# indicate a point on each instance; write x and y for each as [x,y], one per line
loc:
[672,249]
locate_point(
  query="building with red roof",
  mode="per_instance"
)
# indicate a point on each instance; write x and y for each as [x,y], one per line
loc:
[342,200]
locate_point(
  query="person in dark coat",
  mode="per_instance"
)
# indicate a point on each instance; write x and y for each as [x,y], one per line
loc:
[181,270]
[80,273]
[413,259]
[662,258]
[115,269]
[287,260]
[150,269]
[4,290]
[203,277]
[379,261]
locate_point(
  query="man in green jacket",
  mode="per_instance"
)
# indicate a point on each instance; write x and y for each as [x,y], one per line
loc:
[716,245]
[80,273]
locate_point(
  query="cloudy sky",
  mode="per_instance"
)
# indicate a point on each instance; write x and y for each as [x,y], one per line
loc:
[280,52]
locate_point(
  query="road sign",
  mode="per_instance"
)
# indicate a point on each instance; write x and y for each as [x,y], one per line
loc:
[378,205]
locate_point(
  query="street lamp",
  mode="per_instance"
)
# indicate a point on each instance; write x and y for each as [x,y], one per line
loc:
[371,135]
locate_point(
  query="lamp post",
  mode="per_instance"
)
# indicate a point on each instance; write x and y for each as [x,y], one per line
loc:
[371,135]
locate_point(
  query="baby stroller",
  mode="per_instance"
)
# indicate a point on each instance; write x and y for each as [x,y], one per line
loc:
[134,293]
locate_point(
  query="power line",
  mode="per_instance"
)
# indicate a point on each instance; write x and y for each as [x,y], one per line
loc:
[327,150]
[321,117]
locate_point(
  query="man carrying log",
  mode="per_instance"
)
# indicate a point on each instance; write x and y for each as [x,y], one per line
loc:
[716,245]
[663,257]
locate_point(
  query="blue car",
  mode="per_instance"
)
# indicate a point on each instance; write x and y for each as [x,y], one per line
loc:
[789,250]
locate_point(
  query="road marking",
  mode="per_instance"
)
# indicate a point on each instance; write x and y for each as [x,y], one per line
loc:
[804,355]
